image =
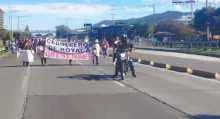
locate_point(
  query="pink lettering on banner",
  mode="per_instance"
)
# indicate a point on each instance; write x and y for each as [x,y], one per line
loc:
[55,55]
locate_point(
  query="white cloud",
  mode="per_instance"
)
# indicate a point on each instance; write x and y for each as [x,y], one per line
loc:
[61,9]
[212,1]
[134,9]
[170,1]
[157,1]
[179,8]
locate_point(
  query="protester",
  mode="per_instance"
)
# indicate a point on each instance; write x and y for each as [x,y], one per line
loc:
[41,52]
[28,46]
[70,61]
[96,48]
[35,43]
[25,45]
[114,46]
[104,45]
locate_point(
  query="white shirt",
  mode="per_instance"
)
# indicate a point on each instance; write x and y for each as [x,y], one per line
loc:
[97,47]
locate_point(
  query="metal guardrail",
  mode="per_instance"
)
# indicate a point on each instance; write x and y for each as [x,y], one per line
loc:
[178,45]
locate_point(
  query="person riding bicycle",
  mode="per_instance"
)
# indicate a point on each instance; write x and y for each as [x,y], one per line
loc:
[126,46]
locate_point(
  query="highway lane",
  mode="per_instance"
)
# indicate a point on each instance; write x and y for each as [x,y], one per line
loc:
[197,62]
[59,91]
[12,87]
[83,91]
[193,95]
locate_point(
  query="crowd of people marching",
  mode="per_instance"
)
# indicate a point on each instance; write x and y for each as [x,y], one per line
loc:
[38,45]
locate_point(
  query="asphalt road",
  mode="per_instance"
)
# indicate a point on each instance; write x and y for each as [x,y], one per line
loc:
[83,91]
[197,62]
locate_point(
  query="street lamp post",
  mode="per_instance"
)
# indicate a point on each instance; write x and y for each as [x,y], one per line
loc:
[66,19]
[154,12]
[207,23]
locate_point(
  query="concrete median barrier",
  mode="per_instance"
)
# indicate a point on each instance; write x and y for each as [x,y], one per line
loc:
[195,72]
[178,69]
[159,65]
[203,74]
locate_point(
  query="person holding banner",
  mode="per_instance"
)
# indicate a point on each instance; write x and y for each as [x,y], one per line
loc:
[41,52]
[25,45]
[70,61]
[96,51]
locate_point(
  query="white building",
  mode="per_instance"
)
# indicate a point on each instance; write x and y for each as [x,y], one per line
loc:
[186,19]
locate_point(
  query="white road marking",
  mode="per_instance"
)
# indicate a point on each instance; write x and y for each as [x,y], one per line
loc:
[79,63]
[24,82]
[206,79]
[103,75]
[119,83]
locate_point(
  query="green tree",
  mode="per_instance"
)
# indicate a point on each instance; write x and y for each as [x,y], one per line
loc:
[17,35]
[143,30]
[181,30]
[202,17]
[27,28]
[62,30]
[216,19]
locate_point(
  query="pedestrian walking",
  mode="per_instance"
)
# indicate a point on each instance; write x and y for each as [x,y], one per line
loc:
[41,51]
[104,45]
[70,60]
[25,45]
[96,51]
[114,43]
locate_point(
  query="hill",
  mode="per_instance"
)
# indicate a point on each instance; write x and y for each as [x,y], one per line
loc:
[149,18]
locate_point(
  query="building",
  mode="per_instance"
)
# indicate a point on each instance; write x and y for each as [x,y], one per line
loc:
[1,19]
[165,37]
[186,19]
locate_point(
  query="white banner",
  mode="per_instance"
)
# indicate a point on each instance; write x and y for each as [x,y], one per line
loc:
[25,55]
[68,50]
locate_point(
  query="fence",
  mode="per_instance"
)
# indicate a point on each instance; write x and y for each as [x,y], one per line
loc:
[178,45]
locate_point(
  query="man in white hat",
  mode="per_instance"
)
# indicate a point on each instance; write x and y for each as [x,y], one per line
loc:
[96,48]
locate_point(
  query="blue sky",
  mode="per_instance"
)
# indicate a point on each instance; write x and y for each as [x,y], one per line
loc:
[46,14]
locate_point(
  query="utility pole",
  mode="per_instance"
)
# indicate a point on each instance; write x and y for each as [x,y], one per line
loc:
[154,12]
[19,22]
[207,29]
[66,19]
[9,20]
[113,21]
[67,27]
[76,32]
[154,20]
[192,10]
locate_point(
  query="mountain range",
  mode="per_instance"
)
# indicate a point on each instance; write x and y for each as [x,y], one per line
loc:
[149,18]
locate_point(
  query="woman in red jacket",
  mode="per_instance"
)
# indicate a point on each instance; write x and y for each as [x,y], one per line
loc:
[104,45]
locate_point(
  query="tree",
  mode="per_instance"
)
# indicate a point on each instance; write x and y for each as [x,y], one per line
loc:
[17,35]
[216,19]
[27,28]
[143,30]
[202,17]
[62,30]
[178,28]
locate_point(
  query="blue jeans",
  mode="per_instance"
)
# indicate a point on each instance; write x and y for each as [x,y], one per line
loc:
[104,50]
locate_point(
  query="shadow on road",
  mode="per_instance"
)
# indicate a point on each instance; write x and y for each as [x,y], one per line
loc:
[207,116]
[50,65]
[89,77]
